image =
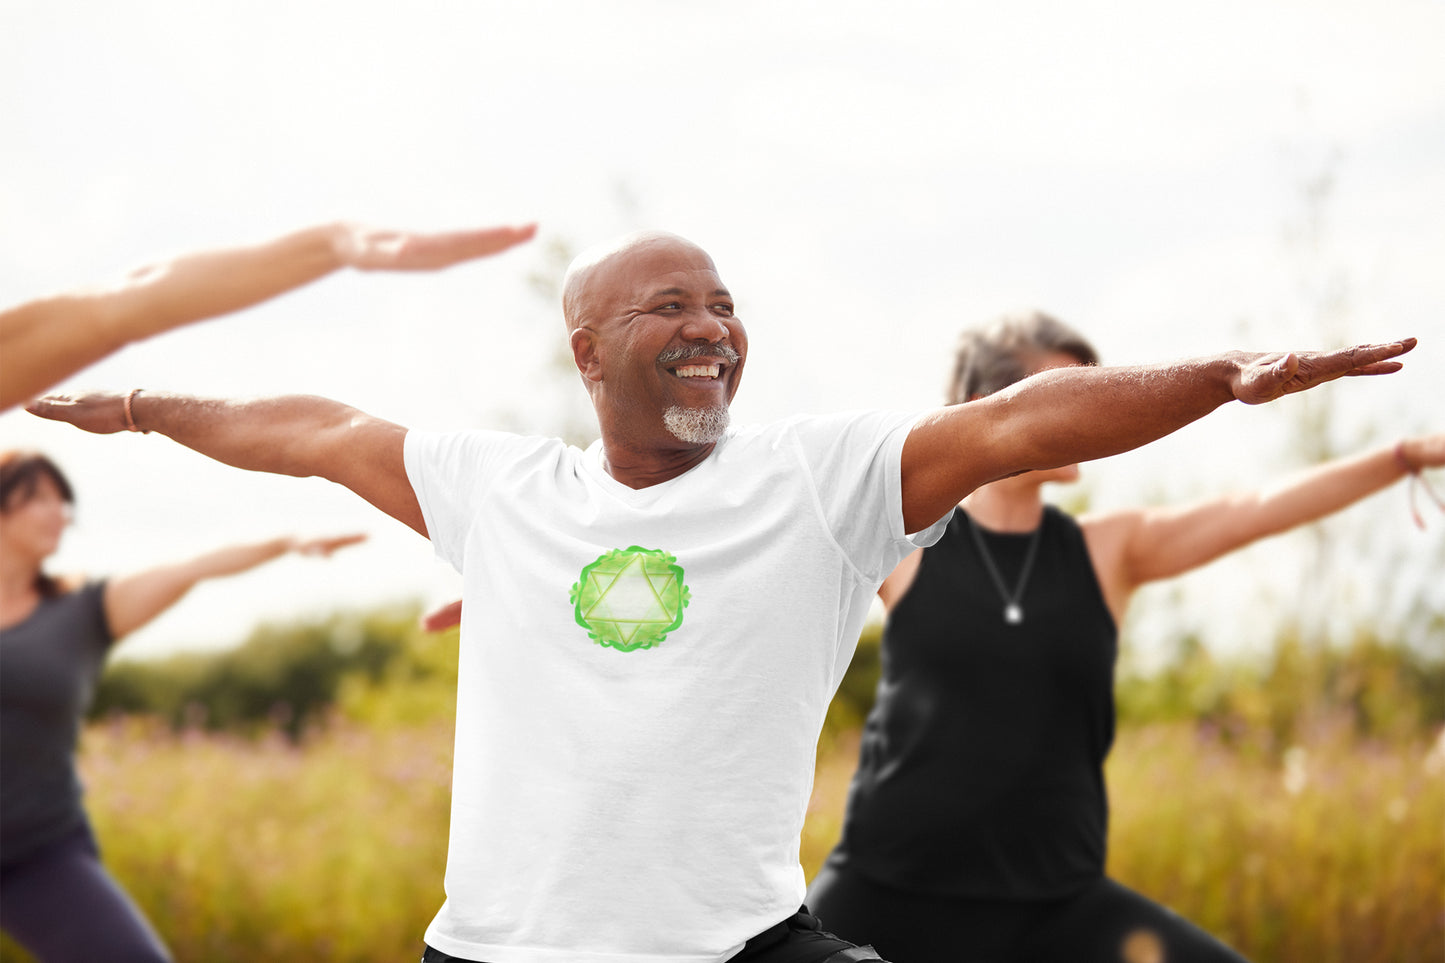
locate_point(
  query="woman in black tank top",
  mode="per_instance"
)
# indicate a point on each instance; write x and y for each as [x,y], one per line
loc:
[977,820]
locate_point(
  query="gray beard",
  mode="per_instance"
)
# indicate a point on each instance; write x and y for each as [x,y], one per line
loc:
[696,426]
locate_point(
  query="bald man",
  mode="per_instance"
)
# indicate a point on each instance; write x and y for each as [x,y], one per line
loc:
[653,627]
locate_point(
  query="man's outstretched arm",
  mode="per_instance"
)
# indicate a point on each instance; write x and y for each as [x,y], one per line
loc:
[1074,414]
[44,340]
[301,435]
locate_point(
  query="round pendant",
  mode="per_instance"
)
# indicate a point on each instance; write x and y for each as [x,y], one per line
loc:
[1012,614]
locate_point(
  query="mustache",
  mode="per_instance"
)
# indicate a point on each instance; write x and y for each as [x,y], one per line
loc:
[690,351]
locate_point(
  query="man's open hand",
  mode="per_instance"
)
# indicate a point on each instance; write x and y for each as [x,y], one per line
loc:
[1269,376]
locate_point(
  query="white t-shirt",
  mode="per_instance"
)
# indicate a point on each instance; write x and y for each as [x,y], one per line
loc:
[643,677]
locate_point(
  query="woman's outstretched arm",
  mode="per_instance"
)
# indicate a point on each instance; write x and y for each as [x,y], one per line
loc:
[1137,546]
[43,341]
[133,600]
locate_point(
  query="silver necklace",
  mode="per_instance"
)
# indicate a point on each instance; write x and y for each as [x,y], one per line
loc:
[1013,613]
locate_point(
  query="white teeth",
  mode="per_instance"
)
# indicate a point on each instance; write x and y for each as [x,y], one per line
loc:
[698,371]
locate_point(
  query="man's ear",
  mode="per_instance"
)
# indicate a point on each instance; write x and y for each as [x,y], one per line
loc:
[586,354]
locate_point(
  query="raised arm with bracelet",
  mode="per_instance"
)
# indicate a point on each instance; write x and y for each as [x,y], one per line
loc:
[300,435]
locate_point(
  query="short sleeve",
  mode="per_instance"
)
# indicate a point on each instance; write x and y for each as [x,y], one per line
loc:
[449,472]
[856,462]
[90,598]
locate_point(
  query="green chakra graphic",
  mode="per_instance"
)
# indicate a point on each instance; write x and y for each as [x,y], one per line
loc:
[630,598]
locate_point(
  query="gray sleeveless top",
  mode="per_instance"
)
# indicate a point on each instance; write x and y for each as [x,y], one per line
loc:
[49,664]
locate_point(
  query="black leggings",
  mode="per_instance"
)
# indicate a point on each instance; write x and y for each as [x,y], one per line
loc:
[62,906]
[1102,923]
[797,939]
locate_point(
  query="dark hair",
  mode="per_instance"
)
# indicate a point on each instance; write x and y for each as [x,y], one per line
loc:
[20,474]
[993,356]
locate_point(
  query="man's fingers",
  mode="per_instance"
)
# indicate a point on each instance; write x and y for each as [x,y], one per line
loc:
[1378,368]
[1362,359]
[1370,353]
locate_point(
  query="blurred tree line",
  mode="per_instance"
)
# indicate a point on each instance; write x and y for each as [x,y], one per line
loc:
[284,676]
[380,668]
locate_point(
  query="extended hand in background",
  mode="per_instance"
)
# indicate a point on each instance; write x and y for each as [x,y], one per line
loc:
[98,412]
[324,547]
[443,618]
[375,249]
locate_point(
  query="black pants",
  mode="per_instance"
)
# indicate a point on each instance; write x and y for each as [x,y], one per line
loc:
[61,905]
[798,939]
[1102,923]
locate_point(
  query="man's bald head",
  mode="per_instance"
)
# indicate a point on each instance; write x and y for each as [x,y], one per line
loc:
[599,272]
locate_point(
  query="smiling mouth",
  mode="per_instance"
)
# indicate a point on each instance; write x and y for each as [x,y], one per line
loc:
[695,362]
[707,371]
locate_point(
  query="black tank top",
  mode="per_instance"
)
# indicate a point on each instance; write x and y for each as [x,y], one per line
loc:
[981,766]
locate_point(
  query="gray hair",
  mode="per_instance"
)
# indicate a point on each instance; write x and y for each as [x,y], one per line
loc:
[993,356]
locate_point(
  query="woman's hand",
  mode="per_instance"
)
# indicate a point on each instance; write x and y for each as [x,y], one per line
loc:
[379,249]
[325,546]
[1424,451]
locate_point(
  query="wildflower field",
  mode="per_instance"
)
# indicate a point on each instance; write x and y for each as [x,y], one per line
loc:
[245,849]
[1296,810]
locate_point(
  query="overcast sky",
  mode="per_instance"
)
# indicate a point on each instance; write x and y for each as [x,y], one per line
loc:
[1171,179]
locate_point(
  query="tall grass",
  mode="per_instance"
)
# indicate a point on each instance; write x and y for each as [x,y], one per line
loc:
[333,849]
[262,850]
[1335,852]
